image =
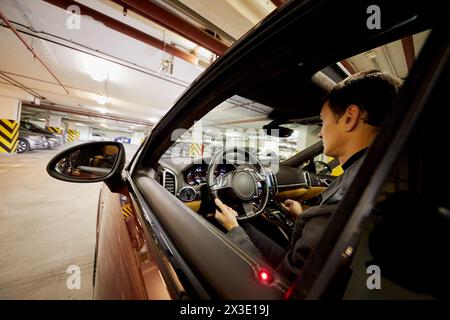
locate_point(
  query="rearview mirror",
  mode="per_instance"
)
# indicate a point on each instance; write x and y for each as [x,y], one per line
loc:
[88,162]
[274,129]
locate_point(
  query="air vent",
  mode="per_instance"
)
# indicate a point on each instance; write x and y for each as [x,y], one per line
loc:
[169,182]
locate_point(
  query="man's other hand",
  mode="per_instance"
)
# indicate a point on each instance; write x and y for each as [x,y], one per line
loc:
[293,208]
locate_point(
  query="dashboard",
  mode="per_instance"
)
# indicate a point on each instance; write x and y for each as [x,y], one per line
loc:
[196,174]
[186,179]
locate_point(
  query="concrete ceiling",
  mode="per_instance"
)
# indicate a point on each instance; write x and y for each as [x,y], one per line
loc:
[103,70]
[389,58]
[235,17]
[109,73]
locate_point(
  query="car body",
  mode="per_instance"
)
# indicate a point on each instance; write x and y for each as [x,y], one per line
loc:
[29,140]
[156,238]
[98,136]
[54,140]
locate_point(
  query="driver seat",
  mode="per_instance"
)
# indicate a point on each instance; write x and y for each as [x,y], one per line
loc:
[407,237]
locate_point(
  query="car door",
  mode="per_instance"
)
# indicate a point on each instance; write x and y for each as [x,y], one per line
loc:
[194,259]
[351,234]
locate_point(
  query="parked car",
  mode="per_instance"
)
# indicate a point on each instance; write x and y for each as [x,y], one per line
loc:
[54,139]
[98,136]
[156,233]
[29,140]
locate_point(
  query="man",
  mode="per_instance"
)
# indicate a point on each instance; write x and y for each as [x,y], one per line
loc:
[351,116]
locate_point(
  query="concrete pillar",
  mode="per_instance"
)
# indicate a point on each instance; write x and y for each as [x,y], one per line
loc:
[138,138]
[196,148]
[302,138]
[312,137]
[72,134]
[53,124]
[9,124]
[84,132]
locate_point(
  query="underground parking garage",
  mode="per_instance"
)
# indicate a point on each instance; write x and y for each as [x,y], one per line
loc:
[199,149]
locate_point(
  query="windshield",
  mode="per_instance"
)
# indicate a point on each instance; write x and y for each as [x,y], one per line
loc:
[239,122]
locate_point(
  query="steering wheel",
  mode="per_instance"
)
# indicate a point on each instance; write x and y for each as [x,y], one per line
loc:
[240,185]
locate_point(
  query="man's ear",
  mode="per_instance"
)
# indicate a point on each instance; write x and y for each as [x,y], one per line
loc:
[351,117]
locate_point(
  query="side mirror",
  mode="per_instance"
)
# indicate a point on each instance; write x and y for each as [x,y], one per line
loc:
[89,162]
[322,167]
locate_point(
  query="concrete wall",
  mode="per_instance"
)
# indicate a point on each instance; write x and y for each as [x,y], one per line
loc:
[10,108]
[137,138]
[111,134]
[38,123]
[84,132]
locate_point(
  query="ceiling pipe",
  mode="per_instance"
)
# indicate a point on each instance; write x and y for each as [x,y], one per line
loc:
[98,54]
[35,55]
[170,21]
[19,85]
[348,66]
[85,113]
[126,29]
[181,9]
[408,49]
[278,3]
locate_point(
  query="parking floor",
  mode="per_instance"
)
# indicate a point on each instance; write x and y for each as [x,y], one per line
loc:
[46,226]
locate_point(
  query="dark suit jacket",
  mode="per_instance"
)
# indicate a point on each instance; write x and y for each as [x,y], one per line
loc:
[308,228]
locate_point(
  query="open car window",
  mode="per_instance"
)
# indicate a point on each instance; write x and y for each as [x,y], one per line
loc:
[240,122]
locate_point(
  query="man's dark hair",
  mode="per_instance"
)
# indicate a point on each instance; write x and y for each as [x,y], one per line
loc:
[373,91]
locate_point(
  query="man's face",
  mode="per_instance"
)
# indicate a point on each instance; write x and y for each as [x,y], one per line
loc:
[331,132]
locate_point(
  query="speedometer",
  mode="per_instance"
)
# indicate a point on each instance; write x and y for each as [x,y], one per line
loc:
[187,194]
[190,178]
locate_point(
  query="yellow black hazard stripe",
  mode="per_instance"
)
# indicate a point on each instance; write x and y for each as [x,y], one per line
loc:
[54,129]
[127,211]
[196,150]
[9,133]
[72,135]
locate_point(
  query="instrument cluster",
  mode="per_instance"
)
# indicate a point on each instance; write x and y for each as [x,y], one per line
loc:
[197,174]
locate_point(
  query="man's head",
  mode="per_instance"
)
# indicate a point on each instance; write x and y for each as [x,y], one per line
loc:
[353,111]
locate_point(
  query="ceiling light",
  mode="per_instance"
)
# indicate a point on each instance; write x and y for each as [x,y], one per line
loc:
[153,119]
[102,99]
[98,69]
[371,54]
[102,110]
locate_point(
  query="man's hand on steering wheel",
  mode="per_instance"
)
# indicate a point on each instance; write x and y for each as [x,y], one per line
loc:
[227,217]
[246,186]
